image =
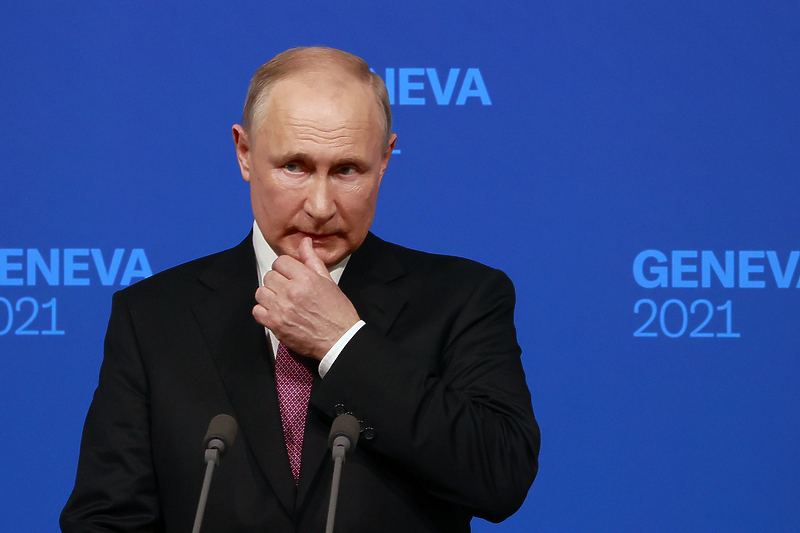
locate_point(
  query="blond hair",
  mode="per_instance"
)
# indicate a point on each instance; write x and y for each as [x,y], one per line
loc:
[314,57]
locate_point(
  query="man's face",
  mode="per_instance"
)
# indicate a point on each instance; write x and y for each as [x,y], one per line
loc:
[315,162]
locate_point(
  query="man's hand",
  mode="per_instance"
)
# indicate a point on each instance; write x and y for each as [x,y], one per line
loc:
[302,305]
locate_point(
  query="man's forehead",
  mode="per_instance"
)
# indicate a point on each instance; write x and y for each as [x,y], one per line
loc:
[322,83]
[322,100]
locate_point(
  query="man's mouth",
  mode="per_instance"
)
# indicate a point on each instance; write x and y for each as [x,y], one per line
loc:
[319,237]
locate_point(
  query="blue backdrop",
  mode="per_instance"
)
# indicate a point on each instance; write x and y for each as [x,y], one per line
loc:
[632,166]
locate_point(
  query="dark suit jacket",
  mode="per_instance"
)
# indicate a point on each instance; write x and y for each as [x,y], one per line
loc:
[435,376]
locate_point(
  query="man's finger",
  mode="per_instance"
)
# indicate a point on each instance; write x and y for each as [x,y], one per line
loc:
[261,315]
[288,267]
[264,296]
[275,281]
[310,258]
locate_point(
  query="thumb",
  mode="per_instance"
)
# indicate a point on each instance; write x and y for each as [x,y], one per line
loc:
[310,258]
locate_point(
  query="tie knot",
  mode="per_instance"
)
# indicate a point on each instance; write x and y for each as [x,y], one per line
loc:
[288,359]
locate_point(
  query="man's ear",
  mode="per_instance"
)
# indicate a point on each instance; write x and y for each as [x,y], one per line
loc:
[242,150]
[388,153]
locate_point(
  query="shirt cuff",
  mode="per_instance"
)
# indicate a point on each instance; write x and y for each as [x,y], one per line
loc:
[337,348]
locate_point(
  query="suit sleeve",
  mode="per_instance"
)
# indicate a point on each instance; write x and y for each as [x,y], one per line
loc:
[463,425]
[115,487]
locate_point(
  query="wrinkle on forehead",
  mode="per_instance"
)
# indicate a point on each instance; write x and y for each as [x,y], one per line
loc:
[327,132]
[320,132]
[336,117]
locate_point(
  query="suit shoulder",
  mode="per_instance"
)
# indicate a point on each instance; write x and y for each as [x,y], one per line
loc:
[414,258]
[186,277]
[445,268]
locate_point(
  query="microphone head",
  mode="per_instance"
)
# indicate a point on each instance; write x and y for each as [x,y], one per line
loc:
[347,426]
[222,427]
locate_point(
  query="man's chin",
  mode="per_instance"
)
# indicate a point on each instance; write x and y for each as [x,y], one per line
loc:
[330,257]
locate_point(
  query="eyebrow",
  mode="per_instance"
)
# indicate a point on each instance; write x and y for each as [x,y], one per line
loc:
[306,158]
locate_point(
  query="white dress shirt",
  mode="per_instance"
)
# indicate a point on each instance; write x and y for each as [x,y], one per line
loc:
[265,256]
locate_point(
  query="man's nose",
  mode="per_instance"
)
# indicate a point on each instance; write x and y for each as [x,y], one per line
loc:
[320,204]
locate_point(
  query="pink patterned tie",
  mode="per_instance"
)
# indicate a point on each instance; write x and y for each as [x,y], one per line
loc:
[293,381]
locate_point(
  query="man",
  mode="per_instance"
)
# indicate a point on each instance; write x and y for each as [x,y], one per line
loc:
[420,348]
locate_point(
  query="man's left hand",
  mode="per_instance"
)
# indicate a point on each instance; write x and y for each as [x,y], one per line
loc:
[302,305]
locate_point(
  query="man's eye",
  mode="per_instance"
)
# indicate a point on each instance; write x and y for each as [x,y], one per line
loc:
[347,171]
[292,167]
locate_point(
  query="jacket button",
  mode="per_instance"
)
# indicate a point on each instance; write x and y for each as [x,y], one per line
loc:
[339,409]
[368,433]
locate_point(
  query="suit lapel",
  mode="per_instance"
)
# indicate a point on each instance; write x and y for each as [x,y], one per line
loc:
[241,352]
[366,282]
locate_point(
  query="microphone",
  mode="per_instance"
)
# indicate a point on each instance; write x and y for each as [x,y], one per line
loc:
[342,439]
[219,437]
[344,435]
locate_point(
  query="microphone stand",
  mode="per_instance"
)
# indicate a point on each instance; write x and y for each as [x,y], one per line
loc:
[342,439]
[212,460]
[341,445]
